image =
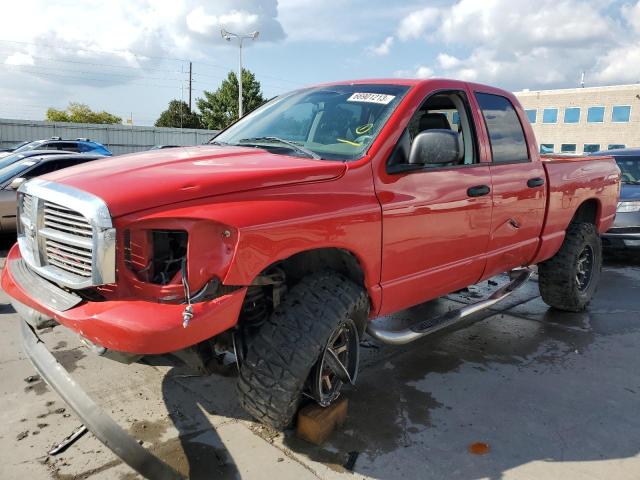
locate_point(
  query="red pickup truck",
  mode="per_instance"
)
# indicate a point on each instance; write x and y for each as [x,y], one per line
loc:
[284,238]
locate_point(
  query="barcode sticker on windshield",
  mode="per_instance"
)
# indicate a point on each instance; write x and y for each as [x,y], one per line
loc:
[371,98]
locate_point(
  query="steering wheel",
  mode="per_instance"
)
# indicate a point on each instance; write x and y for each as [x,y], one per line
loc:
[628,177]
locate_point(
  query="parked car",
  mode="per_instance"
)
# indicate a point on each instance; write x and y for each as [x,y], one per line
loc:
[12,176]
[18,156]
[160,147]
[296,228]
[13,147]
[625,232]
[79,145]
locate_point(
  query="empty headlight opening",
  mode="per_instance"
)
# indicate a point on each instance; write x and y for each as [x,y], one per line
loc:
[165,252]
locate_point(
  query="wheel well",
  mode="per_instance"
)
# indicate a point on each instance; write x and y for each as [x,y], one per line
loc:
[268,288]
[301,264]
[587,212]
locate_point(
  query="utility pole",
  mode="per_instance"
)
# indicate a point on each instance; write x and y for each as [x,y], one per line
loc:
[190,80]
[228,36]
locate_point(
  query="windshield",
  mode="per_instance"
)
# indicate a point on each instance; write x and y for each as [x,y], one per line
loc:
[630,167]
[30,146]
[9,159]
[7,173]
[336,122]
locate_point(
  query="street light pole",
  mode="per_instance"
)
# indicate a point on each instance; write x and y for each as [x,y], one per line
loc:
[241,37]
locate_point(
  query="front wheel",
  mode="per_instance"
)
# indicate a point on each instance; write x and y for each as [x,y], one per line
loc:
[309,345]
[569,279]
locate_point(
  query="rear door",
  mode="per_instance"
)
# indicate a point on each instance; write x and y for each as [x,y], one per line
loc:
[519,191]
[435,220]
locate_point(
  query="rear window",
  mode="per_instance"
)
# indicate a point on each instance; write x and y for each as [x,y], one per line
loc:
[508,142]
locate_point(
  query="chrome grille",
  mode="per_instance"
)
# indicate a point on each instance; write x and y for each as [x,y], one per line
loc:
[68,239]
[74,247]
[27,205]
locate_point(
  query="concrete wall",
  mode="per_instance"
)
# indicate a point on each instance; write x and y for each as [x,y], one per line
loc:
[117,138]
[581,133]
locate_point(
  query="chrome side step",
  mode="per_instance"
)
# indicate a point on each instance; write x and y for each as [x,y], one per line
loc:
[418,330]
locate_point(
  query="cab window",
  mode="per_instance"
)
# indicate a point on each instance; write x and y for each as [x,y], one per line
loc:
[506,136]
[443,111]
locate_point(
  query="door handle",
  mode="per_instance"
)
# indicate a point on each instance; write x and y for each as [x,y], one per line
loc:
[478,190]
[535,182]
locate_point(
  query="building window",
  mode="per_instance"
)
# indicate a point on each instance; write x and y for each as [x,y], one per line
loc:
[595,115]
[550,115]
[568,148]
[572,115]
[546,147]
[620,113]
[616,146]
[591,147]
[531,115]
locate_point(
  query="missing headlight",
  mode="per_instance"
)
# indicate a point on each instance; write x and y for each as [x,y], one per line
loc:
[169,249]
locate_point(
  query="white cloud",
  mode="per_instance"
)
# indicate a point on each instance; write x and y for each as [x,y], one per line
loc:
[384,48]
[19,59]
[524,44]
[447,61]
[421,71]
[139,33]
[199,21]
[416,23]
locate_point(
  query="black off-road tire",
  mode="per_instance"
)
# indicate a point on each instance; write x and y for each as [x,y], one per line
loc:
[283,352]
[557,276]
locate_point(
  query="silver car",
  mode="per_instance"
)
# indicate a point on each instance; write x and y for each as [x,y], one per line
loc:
[625,232]
[14,174]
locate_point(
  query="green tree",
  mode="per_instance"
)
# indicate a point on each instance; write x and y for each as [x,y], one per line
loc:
[81,113]
[220,108]
[179,115]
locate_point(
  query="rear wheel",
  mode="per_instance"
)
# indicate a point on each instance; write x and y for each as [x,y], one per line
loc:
[569,279]
[308,346]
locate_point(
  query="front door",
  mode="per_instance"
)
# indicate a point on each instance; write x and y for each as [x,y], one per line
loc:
[436,220]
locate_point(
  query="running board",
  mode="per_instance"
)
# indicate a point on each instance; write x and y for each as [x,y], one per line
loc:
[418,330]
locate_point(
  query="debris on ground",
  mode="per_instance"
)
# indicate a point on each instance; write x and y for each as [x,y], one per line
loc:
[479,448]
[22,435]
[32,378]
[351,461]
[316,423]
[68,441]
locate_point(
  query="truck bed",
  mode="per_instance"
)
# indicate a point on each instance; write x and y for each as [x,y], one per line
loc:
[571,181]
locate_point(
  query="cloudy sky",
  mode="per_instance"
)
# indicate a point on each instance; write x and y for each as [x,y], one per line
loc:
[131,57]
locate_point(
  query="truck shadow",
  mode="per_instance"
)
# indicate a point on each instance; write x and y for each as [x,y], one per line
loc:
[535,384]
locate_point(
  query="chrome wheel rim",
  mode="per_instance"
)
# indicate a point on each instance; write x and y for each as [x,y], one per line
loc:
[584,269]
[337,364]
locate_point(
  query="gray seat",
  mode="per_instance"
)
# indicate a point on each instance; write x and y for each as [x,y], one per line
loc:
[431,121]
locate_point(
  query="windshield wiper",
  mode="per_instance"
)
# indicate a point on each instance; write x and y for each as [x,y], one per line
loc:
[292,145]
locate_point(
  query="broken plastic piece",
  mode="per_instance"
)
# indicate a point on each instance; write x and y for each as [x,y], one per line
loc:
[68,441]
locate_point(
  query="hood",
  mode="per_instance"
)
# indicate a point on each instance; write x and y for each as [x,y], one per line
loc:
[129,183]
[629,192]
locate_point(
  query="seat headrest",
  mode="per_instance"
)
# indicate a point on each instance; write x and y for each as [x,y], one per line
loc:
[430,121]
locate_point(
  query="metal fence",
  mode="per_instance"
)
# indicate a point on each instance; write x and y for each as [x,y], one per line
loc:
[117,138]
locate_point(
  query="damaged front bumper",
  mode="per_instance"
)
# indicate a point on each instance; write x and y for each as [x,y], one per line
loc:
[129,325]
[99,423]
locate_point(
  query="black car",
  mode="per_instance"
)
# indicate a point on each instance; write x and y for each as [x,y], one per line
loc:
[625,232]
[14,174]
[13,147]
[81,145]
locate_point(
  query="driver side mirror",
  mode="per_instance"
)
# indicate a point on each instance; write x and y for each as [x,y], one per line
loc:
[16,182]
[435,146]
